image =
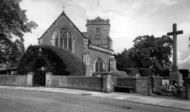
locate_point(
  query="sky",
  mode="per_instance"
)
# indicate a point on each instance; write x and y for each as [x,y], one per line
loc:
[128,19]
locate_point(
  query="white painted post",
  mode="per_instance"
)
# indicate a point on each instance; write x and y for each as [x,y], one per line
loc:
[30,78]
[107,83]
[48,79]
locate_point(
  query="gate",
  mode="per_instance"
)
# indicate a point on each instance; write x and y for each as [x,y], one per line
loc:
[39,78]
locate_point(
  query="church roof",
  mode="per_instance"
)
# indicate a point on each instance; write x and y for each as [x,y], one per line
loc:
[62,14]
[101,49]
[85,34]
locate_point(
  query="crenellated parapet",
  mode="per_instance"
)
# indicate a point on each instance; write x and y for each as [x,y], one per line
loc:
[98,21]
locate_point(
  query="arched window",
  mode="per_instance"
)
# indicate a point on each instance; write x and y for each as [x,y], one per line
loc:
[99,65]
[63,38]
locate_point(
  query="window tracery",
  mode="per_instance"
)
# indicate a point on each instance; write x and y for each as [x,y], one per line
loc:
[62,38]
[99,65]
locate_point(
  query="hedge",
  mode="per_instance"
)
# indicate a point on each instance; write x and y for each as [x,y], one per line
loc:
[56,60]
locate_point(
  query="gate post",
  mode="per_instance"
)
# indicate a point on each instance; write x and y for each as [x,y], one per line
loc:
[107,83]
[30,78]
[187,91]
[187,88]
[48,79]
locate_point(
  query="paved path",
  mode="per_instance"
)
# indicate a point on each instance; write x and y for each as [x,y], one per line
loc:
[150,100]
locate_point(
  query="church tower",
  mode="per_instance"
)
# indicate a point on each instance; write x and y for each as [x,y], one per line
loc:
[98,32]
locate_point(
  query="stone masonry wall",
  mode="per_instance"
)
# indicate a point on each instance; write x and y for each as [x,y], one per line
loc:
[156,84]
[77,82]
[13,80]
[140,84]
[95,55]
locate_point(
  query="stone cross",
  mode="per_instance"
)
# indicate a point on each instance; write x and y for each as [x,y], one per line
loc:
[174,33]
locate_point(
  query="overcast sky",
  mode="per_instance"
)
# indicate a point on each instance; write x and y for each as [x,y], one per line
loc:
[128,18]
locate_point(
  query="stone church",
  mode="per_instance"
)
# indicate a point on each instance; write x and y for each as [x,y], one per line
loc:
[93,47]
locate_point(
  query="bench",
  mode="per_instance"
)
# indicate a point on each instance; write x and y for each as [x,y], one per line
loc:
[129,89]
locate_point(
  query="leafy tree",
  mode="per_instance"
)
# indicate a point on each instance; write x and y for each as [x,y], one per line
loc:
[148,52]
[13,23]
[9,52]
[124,60]
[13,20]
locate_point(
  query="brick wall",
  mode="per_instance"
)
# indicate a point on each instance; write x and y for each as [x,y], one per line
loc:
[77,82]
[13,80]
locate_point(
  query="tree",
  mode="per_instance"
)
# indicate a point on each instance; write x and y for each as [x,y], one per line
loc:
[13,23]
[149,52]
[9,52]
[123,60]
[13,20]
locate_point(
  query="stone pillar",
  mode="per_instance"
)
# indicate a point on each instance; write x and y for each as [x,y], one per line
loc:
[30,78]
[176,76]
[107,83]
[187,88]
[187,91]
[48,79]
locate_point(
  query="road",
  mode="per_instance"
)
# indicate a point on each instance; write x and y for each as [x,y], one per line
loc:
[36,101]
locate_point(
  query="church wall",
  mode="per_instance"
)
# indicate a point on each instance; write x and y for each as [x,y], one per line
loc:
[63,21]
[94,55]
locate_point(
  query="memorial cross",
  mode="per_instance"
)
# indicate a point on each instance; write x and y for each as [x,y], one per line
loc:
[174,33]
